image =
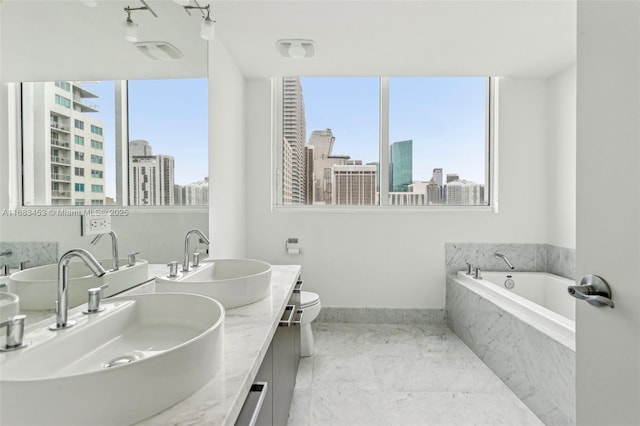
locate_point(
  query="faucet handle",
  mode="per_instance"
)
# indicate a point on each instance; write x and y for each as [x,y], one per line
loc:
[131,258]
[173,268]
[23,265]
[94,297]
[4,271]
[469,268]
[196,259]
[15,333]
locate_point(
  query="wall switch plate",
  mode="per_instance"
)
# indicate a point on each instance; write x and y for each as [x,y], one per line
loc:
[94,225]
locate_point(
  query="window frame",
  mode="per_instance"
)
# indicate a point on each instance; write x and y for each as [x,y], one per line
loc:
[491,162]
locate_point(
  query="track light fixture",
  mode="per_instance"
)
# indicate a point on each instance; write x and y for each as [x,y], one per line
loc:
[207,27]
[130,27]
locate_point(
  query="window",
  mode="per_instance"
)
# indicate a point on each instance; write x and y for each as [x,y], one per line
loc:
[79,202]
[61,100]
[79,187]
[161,112]
[434,151]
[64,85]
[97,188]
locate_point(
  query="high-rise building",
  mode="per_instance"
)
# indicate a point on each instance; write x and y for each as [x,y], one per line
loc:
[464,193]
[151,178]
[140,148]
[193,194]
[437,177]
[452,176]
[68,168]
[401,166]
[353,185]
[309,169]
[295,134]
[323,159]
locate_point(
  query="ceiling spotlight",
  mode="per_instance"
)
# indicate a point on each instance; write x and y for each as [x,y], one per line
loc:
[130,27]
[296,48]
[207,28]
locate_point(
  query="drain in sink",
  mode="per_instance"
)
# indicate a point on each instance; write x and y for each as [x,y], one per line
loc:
[121,360]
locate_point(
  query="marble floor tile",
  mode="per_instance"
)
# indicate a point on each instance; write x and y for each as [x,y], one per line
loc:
[381,374]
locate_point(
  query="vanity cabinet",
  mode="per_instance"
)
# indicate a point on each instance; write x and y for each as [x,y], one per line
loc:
[278,369]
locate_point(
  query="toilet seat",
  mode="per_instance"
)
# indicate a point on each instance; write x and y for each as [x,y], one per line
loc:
[308,298]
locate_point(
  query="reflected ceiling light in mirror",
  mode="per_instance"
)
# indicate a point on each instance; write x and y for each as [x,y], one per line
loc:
[207,27]
[130,27]
[296,48]
[159,50]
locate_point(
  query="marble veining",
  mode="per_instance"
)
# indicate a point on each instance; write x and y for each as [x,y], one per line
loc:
[36,253]
[534,366]
[398,374]
[381,315]
[525,257]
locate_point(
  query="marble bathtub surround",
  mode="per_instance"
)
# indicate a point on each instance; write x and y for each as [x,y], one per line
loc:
[392,374]
[538,369]
[380,316]
[525,257]
[36,253]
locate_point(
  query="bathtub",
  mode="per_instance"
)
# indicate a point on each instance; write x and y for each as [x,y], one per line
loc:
[537,298]
[525,335]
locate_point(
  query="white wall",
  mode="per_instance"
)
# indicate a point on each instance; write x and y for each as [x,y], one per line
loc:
[226,155]
[392,258]
[561,159]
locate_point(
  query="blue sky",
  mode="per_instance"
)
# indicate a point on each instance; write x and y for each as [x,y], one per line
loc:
[444,116]
[171,114]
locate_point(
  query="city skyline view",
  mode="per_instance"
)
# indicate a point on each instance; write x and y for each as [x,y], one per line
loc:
[172,115]
[444,116]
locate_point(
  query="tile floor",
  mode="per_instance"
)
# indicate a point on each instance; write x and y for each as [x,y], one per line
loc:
[373,374]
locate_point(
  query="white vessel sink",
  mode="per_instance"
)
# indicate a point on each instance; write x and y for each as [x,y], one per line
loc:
[232,282]
[9,305]
[136,358]
[38,287]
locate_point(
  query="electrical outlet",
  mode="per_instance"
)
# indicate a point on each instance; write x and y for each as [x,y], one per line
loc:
[94,225]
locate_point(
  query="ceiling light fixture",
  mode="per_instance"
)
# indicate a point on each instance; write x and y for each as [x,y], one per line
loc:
[296,48]
[130,27]
[207,27]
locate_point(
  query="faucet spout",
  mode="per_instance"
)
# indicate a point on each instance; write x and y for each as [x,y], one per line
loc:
[185,263]
[62,304]
[505,258]
[114,248]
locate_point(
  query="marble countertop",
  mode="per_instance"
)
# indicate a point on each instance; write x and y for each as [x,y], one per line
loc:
[248,331]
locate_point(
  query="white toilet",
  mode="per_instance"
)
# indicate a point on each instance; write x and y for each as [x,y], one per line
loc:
[310,305]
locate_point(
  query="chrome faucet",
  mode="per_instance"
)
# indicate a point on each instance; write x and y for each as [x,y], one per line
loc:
[5,268]
[62,304]
[114,248]
[185,263]
[505,258]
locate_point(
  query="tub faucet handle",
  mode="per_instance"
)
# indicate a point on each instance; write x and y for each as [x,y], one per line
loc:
[23,264]
[469,268]
[477,275]
[4,271]
[196,259]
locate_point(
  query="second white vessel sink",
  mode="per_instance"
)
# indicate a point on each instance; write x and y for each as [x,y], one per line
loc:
[233,282]
[38,287]
[139,356]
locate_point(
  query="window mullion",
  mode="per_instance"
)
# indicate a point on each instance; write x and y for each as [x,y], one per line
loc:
[384,141]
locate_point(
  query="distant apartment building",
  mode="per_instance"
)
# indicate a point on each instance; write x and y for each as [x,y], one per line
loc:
[63,147]
[406,199]
[151,177]
[193,194]
[353,185]
[464,193]
[401,166]
[294,134]
[323,160]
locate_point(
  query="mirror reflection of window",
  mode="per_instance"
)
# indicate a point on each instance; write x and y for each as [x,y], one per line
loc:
[69,143]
